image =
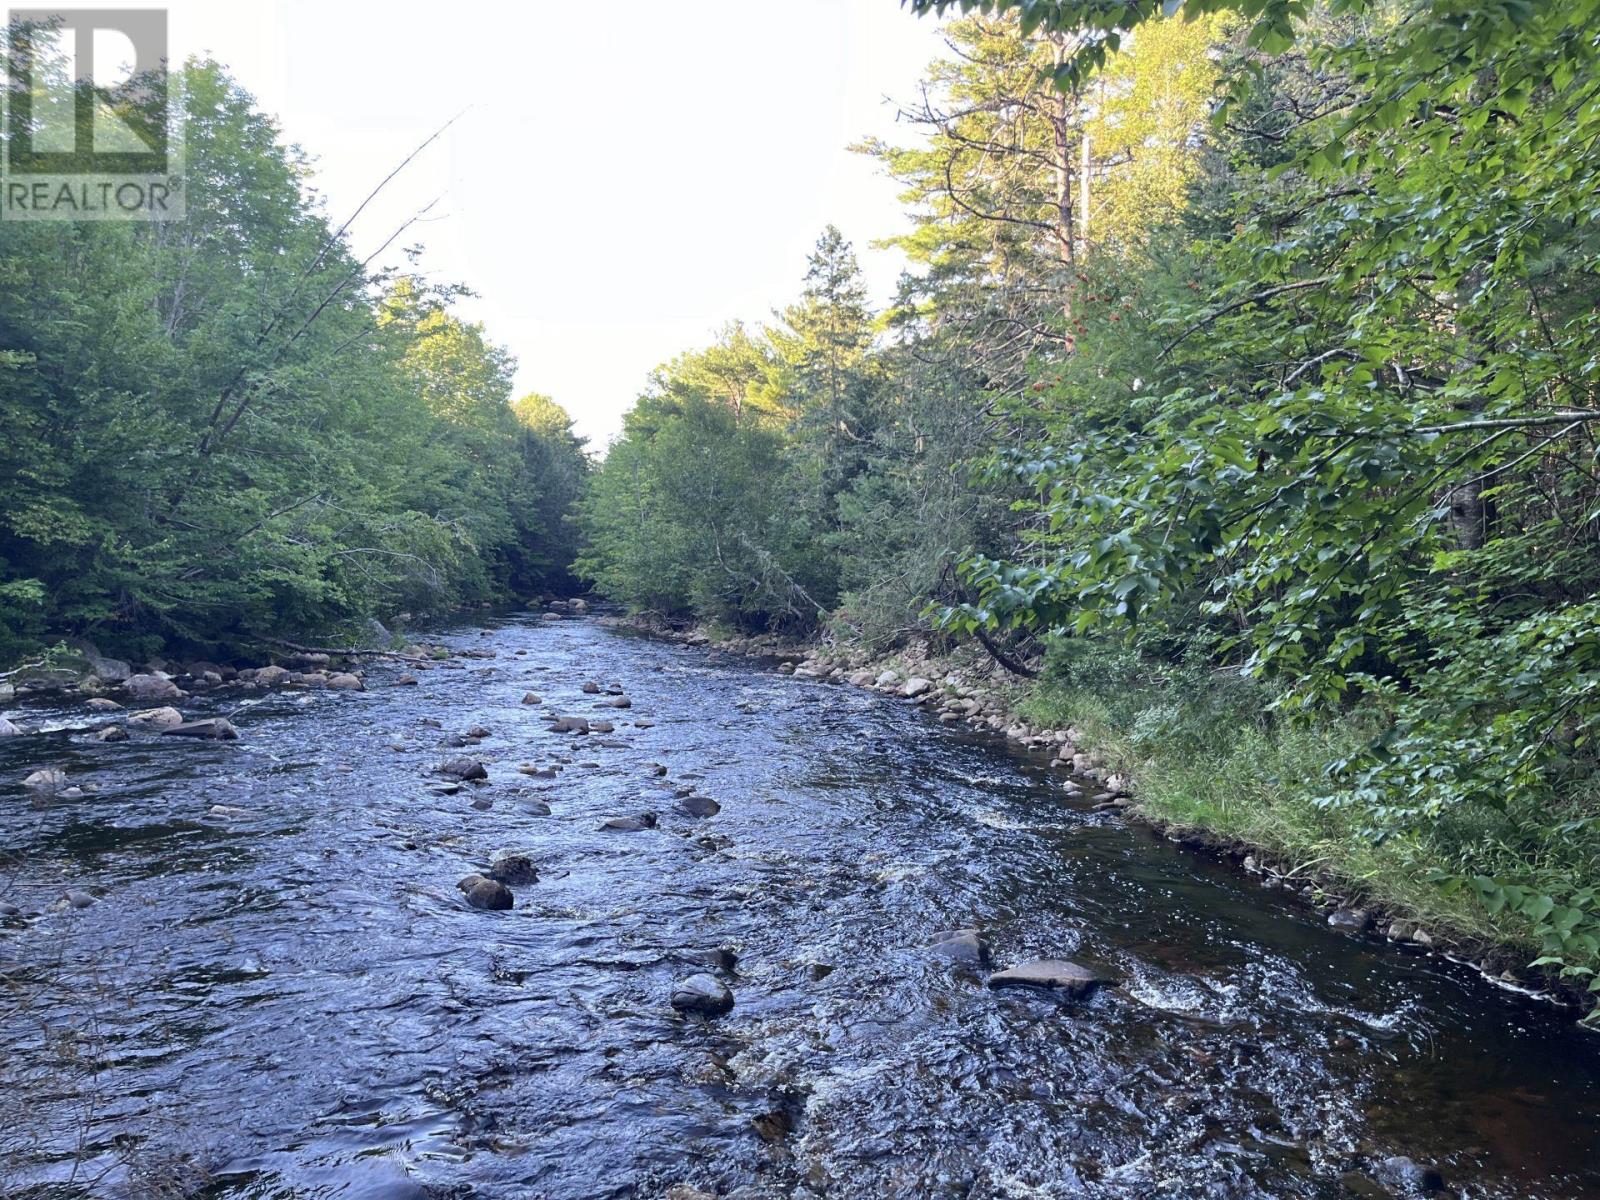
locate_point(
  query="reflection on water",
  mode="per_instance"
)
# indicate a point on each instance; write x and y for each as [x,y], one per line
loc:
[294,1000]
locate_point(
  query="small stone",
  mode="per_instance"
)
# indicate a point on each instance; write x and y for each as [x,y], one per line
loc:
[513,870]
[464,769]
[8,730]
[620,702]
[591,689]
[886,679]
[1352,920]
[102,704]
[578,725]
[48,779]
[405,681]
[700,806]
[7,909]
[1421,937]
[79,899]
[655,769]
[110,733]
[344,681]
[216,729]
[531,698]
[630,824]
[702,994]
[1053,974]
[964,947]
[487,894]
[916,686]
[602,727]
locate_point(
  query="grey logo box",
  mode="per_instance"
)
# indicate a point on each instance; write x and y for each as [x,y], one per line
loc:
[86,139]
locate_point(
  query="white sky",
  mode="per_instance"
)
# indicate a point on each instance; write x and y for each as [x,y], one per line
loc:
[627,176]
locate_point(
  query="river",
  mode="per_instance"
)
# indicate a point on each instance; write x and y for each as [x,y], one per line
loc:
[293,999]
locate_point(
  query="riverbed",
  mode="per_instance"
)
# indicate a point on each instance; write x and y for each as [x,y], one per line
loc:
[287,995]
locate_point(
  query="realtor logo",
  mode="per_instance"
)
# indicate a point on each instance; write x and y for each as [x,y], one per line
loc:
[90,130]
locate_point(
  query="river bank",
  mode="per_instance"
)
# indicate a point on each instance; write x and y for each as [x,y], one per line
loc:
[1271,835]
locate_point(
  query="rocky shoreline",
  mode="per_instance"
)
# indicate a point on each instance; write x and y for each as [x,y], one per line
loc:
[968,689]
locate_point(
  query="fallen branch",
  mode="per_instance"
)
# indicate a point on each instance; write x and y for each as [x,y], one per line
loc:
[346,651]
[1004,659]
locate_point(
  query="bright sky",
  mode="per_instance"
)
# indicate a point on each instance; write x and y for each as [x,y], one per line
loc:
[625,178]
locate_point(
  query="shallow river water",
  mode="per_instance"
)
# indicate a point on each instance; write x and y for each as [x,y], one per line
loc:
[295,1001]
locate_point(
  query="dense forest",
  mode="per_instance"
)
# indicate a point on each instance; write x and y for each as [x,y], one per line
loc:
[232,428]
[1244,379]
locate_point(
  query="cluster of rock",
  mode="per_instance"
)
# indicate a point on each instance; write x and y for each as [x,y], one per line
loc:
[491,889]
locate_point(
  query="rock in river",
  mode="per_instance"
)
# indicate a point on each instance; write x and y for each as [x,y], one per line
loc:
[514,870]
[488,894]
[570,725]
[964,947]
[49,779]
[1355,920]
[8,730]
[630,824]
[703,994]
[216,729]
[102,704]
[464,768]
[700,806]
[109,733]
[156,718]
[151,687]
[1055,974]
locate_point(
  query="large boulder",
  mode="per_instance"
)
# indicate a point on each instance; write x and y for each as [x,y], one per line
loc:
[886,678]
[46,779]
[272,676]
[916,686]
[151,687]
[345,681]
[700,806]
[156,718]
[570,725]
[108,670]
[216,729]
[1051,974]
[487,894]
[703,994]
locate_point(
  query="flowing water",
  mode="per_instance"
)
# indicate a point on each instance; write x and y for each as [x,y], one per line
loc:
[294,1000]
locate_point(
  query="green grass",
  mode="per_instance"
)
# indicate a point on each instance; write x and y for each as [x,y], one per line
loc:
[1204,753]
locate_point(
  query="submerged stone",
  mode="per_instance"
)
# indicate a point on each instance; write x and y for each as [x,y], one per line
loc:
[1052,974]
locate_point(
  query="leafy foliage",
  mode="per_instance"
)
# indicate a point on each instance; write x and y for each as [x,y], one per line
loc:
[230,427]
